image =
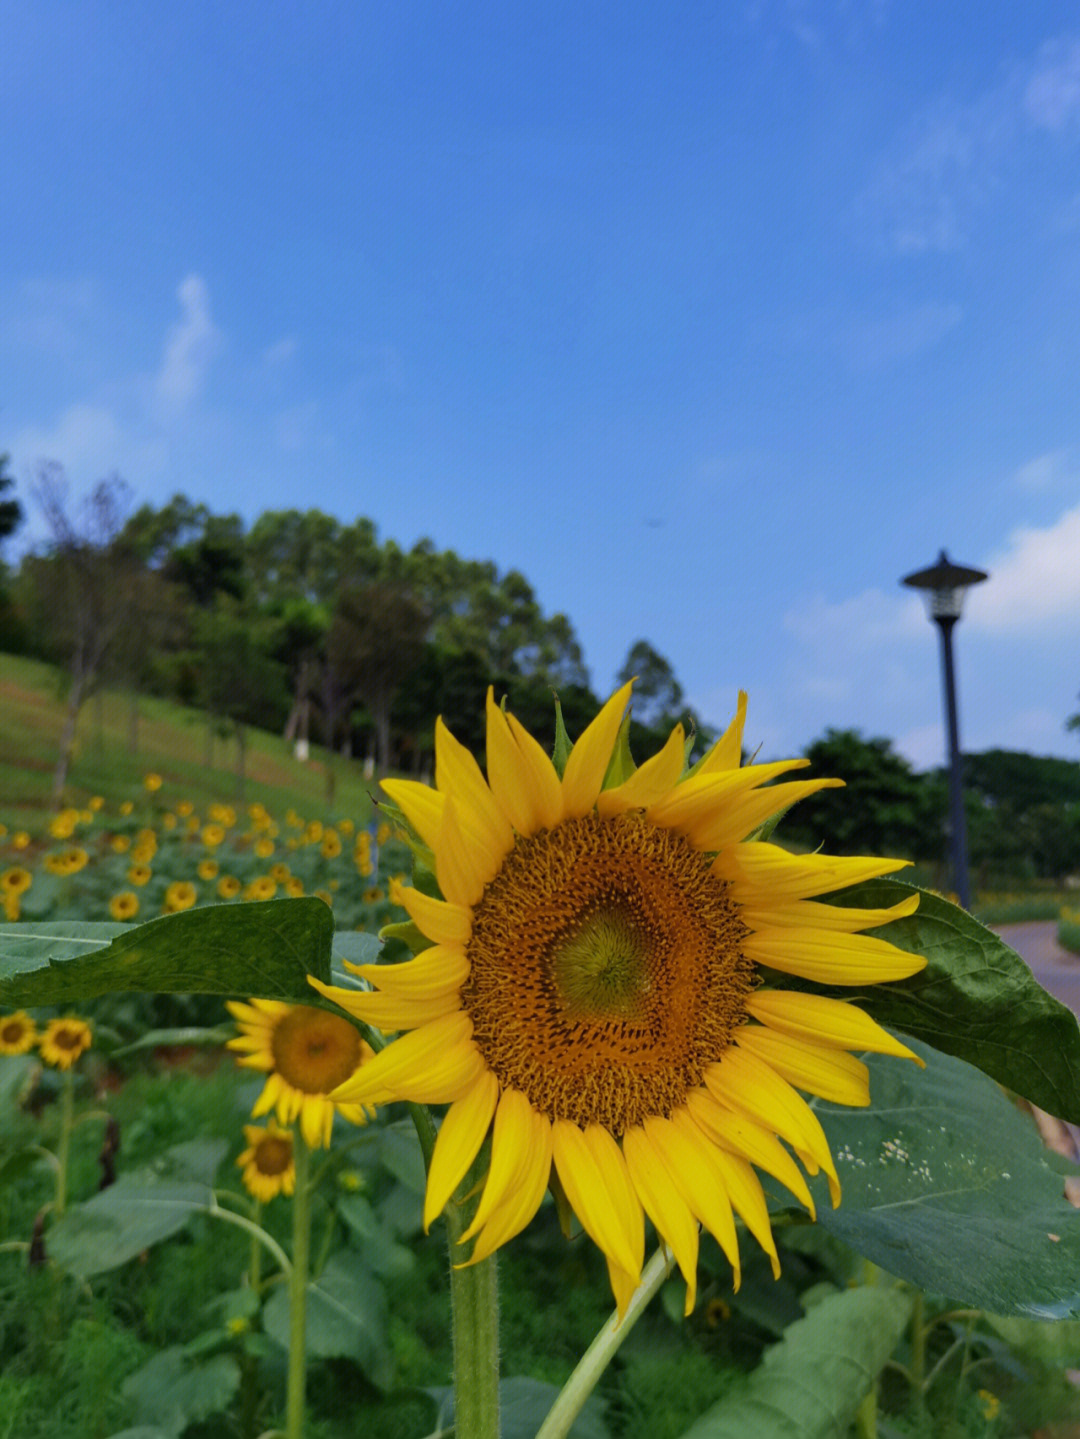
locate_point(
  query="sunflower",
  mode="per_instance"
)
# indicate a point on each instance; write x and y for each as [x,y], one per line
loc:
[18,1033]
[64,1040]
[207,869]
[181,894]
[267,1163]
[306,1053]
[212,835]
[124,905]
[263,886]
[152,783]
[595,991]
[16,880]
[228,886]
[330,847]
[139,874]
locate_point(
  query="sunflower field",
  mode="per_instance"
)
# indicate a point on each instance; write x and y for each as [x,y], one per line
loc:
[722,1140]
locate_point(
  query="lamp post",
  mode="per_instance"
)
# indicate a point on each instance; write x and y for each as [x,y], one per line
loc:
[943,587]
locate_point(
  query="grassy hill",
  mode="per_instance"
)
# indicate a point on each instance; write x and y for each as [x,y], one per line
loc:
[171,741]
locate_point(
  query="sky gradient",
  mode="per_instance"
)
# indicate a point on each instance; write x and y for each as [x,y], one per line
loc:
[713,319]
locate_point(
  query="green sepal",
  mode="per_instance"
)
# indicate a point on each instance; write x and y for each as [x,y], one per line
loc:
[421,853]
[408,933]
[621,764]
[563,1208]
[561,753]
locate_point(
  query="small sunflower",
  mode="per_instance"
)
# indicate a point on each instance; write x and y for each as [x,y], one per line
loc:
[120,843]
[124,905]
[330,847]
[18,1033]
[306,1053]
[126,806]
[207,869]
[228,886]
[64,1040]
[268,1165]
[280,872]
[181,894]
[139,874]
[595,991]
[212,835]
[20,839]
[151,783]
[294,886]
[263,848]
[263,886]
[15,880]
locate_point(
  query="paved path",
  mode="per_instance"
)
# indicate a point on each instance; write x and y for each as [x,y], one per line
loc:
[1055,968]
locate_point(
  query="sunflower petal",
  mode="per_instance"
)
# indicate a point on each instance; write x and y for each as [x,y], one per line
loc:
[510,1140]
[458,1142]
[435,1064]
[740,1135]
[520,1206]
[444,923]
[831,957]
[389,1012]
[805,914]
[769,874]
[522,778]
[734,822]
[588,761]
[748,1201]
[726,753]
[697,802]
[539,775]
[458,774]
[456,866]
[649,782]
[831,1074]
[664,1205]
[437,970]
[421,806]
[821,1020]
[590,1194]
[687,1160]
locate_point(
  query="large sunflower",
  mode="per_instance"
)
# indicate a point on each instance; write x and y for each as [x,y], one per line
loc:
[604,989]
[306,1053]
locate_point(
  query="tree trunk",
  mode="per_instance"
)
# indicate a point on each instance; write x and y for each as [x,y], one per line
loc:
[99,720]
[67,739]
[241,761]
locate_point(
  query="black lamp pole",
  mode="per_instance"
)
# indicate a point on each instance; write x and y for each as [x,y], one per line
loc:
[943,586]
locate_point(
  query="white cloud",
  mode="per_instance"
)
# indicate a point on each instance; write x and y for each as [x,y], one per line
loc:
[1052,95]
[1047,471]
[868,621]
[189,348]
[279,352]
[90,442]
[1034,584]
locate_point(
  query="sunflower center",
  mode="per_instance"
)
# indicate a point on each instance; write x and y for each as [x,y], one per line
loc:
[67,1038]
[315,1051]
[12,1031]
[273,1155]
[606,970]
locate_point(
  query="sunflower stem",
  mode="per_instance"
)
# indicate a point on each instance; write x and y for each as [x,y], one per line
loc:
[474,1305]
[67,1124]
[601,1351]
[301,1246]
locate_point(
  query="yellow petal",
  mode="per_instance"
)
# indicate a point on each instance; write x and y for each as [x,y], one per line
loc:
[522,778]
[748,1201]
[389,1012]
[435,1064]
[649,782]
[805,914]
[831,1074]
[740,1135]
[623,1287]
[460,1136]
[664,1205]
[688,1163]
[520,1206]
[697,802]
[766,870]
[831,958]
[726,753]
[510,1142]
[592,1196]
[455,862]
[437,970]
[458,774]
[748,811]
[589,758]
[816,1017]
[444,923]
[748,1085]
[421,805]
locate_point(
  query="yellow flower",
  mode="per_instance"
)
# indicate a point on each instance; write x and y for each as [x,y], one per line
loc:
[18,1033]
[365,868]
[223,814]
[20,839]
[267,1163]
[280,872]
[305,1053]
[373,895]
[262,887]
[95,803]
[228,886]
[152,783]
[382,834]
[397,888]
[139,874]
[143,853]
[12,907]
[168,820]
[325,896]
[181,894]
[990,1404]
[66,861]
[62,825]
[313,831]
[331,844]
[64,1040]
[264,848]
[127,806]
[120,843]
[124,905]
[213,835]
[294,886]
[594,997]
[184,808]
[16,880]
[346,826]
[207,868]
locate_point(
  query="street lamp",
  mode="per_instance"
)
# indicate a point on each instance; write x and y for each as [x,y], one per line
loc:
[943,587]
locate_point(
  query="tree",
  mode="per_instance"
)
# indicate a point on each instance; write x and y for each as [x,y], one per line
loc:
[11,512]
[658,695]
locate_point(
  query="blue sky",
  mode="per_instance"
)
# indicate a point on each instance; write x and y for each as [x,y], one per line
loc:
[713,318]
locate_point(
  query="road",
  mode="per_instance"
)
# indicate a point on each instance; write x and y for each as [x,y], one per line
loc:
[1055,968]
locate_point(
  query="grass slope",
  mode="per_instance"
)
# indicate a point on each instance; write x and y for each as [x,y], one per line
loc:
[172,741]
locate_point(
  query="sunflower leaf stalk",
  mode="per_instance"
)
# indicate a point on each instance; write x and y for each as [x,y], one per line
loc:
[63,1154]
[298,1280]
[474,1306]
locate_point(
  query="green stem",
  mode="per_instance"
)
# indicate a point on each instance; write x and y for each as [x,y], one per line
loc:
[601,1351]
[867,1412]
[255,1262]
[474,1305]
[918,1351]
[297,1374]
[67,1121]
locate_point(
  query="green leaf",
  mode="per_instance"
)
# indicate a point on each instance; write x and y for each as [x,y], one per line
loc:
[140,1210]
[621,764]
[172,1394]
[263,950]
[523,1406]
[346,1315]
[947,1185]
[561,751]
[399,1153]
[357,946]
[976,999]
[810,1384]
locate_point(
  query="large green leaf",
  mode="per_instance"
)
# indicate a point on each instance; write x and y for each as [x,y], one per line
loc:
[346,1315]
[264,950]
[170,1394]
[947,1185]
[141,1209]
[975,999]
[523,1406]
[810,1384]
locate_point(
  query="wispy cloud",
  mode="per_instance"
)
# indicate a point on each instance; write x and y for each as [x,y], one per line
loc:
[1052,94]
[1048,471]
[189,348]
[1035,583]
